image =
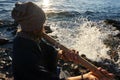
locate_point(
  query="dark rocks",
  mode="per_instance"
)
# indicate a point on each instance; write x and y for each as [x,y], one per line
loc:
[118,35]
[3,41]
[9,25]
[71,68]
[11,28]
[5,63]
[48,29]
[113,23]
[6,23]
[2,77]
[113,55]
[14,32]
[110,21]
[1,23]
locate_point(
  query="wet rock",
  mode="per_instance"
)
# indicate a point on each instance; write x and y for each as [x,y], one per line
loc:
[2,76]
[14,32]
[5,63]
[11,28]
[3,41]
[6,23]
[113,55]
[76,70]
[110,21]
[118,35]
[2,62]
[64,74]
[71,68]
[1,23]
[55,37]
[15,23]
[48,29]
[113,23]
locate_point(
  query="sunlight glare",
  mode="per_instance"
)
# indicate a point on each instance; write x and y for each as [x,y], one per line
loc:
[46,3]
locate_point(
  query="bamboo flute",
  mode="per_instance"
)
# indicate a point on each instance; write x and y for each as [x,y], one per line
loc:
[81,60]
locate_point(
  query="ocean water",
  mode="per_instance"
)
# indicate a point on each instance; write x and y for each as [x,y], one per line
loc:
[78,24]
[91,9]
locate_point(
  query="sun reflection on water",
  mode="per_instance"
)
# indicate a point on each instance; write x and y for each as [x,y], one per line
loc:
[49,5]
[46,2]
[46,5]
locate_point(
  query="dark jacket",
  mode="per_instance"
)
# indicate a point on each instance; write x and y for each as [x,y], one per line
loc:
[34,61]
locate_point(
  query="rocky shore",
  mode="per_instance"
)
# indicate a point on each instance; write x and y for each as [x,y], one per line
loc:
[69,68]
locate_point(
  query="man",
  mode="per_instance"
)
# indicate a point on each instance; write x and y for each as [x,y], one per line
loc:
[33,57]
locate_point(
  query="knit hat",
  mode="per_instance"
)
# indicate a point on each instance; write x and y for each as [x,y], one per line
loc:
[30,16]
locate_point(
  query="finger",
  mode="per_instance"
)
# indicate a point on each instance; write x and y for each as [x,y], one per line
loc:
[111,75]
[60,52]
[104,71]
[99,68]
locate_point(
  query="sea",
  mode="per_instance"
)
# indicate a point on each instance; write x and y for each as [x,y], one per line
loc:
[79,24]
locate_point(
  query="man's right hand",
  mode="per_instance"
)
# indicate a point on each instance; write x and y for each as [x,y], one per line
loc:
[91,76]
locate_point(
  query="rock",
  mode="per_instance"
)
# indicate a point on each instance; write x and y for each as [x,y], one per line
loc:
[55,37]
[48,29]
[1,23]
[110,21]
[113,23]
[11,28]
[118,35]
[1,66]
[113,55]
[14,32]
[15,24]
[5,64]
[2,76]
[2,62]
[6,23]
[64,74]
[3,41]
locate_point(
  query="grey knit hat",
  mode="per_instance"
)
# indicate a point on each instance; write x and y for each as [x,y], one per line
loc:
[29,16]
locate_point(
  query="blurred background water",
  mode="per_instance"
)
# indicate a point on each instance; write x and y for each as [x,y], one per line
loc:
[78,24]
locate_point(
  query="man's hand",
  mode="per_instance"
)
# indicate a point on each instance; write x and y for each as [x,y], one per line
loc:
[91,76]
[72,55]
